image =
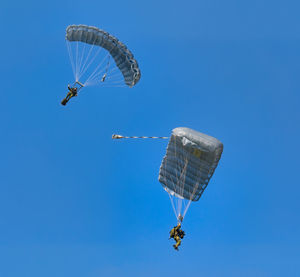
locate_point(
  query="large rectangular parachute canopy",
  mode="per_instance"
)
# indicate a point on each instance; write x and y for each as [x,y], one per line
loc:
[189,163]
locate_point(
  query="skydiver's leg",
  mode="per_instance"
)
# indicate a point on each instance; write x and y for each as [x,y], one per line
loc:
[66,99]
[72,95]
[178,242]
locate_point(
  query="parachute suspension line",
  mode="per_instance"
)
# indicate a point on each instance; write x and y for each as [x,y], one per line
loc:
[110,76]
[134,137]
[87,64]
[115,76]
[179,204]
[96,74]
[108,79]
[190,200]
[115,80]
[77,69]
[174,200]
[92,76]
[186,208]
[81,60]
[113,69]
[180,181]
[90,62]
[114,85]
[182,176]
[187,203]
[173,206]
[176,205]
[173,182]
[71,57]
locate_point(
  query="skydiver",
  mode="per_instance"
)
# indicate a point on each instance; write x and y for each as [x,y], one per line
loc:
[177,234]
[71,93]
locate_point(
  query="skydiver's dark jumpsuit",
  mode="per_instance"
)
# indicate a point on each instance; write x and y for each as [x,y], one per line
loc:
[72,92]
[177,234]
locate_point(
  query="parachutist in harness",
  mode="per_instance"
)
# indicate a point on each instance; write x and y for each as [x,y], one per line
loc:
[73,91]
[177,234]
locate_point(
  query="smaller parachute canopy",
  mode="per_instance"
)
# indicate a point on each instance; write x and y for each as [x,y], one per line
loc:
[189,163]
[122,56]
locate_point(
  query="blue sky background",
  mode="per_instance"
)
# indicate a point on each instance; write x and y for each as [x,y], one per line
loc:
[73,202]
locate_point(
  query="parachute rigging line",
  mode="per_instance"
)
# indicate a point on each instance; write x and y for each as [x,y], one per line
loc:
[135,137]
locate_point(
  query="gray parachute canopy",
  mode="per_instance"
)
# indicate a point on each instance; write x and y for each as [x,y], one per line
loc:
[122,56]
[189,163]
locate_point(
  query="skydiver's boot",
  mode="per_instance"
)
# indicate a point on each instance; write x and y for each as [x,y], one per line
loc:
[64,101]
[175,247]
[67,99]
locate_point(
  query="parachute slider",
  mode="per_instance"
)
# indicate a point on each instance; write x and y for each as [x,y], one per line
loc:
[103,77]
[80,84]
[134,137]
[77,85]
[105,74]
[180,218]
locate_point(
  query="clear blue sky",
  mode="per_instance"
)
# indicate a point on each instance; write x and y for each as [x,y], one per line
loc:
[73,202]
